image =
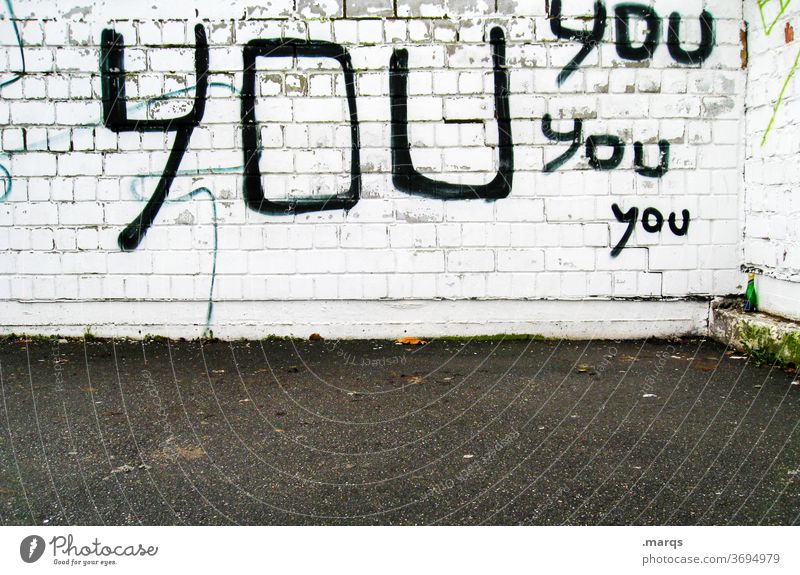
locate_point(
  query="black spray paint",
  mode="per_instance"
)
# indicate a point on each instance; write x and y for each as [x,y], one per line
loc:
[115,117]
[705,47]
[575,136]
[652,222]
[589,38]
[627,49]
[406,178]
[617,151]
[253,187]
[648,171]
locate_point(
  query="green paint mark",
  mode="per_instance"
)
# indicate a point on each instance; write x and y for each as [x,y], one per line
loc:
[762,4]
[780,98]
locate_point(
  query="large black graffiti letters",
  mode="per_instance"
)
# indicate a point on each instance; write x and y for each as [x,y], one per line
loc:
[617,151]
[703,50]
[115,117]
[649,171]
[253,188]
[589,38]
[625,47]
[575,136]
[406,178]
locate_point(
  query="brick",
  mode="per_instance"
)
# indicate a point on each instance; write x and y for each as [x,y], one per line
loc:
[470,260]
[71,179]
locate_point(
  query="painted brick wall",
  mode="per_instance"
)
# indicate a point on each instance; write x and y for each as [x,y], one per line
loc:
[290,181]
[772,203]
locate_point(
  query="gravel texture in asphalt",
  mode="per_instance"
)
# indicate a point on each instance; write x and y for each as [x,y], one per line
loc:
[372,432]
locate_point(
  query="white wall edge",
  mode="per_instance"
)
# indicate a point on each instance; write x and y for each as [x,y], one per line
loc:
[778,297]
[617,319]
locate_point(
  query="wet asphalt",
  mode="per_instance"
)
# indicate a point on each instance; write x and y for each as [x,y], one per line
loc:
[371,432]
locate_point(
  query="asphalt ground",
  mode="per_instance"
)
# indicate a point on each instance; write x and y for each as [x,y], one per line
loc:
[471,432]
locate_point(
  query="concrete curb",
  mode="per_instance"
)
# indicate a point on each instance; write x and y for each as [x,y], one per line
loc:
[765,337]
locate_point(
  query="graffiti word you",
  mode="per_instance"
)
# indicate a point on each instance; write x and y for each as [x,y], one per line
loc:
[627,48]
[652,222]
[575,137]
[405,176]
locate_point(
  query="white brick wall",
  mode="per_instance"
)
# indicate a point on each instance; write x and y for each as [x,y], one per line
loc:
[73,184]
[771,201]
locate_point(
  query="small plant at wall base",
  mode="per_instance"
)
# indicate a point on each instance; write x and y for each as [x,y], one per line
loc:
[765,348]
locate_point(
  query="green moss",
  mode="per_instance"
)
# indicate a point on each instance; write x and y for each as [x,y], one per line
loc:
[12,337]
[767,346]
[269,338]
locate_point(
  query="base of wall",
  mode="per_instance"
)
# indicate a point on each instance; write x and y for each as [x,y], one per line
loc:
[767,339]
[381,319]
[779,297]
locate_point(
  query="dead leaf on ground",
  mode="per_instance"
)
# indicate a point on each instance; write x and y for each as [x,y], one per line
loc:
[410,341]
[704,365]
[190,453]
[278,430]
[123,469]
[88,389]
